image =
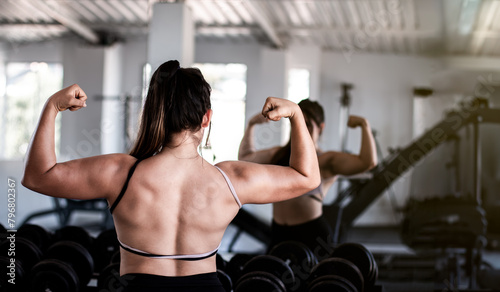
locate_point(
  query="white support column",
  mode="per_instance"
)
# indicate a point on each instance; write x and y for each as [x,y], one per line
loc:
[273,82]
[113,114]
[171,35]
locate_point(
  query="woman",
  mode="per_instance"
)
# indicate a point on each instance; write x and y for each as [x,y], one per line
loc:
[301,219]
[169,205]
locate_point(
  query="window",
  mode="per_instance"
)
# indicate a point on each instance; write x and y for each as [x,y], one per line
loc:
[228,82]
[28,85]
[298,89]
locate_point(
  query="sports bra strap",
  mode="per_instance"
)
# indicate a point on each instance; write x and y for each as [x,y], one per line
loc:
[186,257]
[230,185]
[130,173]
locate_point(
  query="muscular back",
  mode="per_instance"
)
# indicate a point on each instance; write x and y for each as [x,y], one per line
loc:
[169,208]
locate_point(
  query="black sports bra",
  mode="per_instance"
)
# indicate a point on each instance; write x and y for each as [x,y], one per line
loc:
[187,257]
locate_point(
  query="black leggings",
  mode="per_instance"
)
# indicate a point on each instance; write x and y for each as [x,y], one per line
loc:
[316,234]
[208,282]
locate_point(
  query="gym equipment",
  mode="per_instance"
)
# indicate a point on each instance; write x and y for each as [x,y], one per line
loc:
[331,283]
[115,259]
[27,254]
[234,266]
[64,208]
[220,262]
[295,254]
[443,222]
[74,233]
[272,265]
[341,268]
[298,257]
[36,234]
[259,281]
[7,268]
[226,281]
[354,200]
[3,233]
[67,266]
[104,246]
[109,278]
[362,258]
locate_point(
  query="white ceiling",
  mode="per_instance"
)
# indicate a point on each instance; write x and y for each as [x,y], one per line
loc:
[415,27]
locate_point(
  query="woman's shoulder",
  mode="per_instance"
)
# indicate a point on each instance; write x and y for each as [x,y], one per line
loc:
[117,162]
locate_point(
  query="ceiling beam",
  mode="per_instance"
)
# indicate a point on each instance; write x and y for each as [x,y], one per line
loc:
[72,24]
[410,33]
[264,23]
[484,24]
[472,63]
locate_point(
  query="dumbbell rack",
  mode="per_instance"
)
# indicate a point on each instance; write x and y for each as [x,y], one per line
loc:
[69,258]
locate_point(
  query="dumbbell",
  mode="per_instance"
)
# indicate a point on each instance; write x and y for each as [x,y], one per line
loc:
[339,267]
[331,283]
[351,261]
[76,234]
[259,281]
[299,258]
[36,234]
[225,280]
[221,263]
[266,266]
[3,233]
[67,266]
[234,266]
[104,247]
[222,274]
[19,255]
[362,258]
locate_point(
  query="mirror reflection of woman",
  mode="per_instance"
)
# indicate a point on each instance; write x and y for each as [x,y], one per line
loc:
[301,219]
[169,205]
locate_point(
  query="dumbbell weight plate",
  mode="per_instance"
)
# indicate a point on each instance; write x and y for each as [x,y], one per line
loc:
[75,254]
[328,284]
[19,275]
[116,258]
[109,278]
[295,254]
[259,281]
[36,234]
[220,262]
[332,280]
[75,234]
[225,280]
[359,255]
[103,248]
[54,275]
[235,265]
[273,265]
[340,267]
[27,253]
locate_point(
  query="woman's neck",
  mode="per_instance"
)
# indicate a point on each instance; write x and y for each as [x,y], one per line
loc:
[183,145]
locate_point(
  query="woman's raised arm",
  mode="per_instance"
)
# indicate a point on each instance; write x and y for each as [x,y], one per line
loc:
[263,183]
[78,179]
